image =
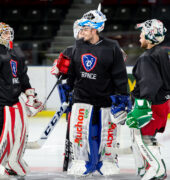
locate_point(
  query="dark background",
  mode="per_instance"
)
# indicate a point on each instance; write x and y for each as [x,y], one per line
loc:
[43,28]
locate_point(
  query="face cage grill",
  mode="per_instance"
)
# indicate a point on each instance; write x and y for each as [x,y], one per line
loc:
[89,16]
[11,32]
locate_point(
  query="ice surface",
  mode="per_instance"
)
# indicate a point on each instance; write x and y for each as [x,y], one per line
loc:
[46,163]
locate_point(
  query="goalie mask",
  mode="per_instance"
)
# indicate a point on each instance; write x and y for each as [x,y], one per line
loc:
[94,19]
[154,30]
[6,35]
[76,28]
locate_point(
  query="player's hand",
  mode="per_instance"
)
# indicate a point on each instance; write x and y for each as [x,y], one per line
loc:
[61,65]
[33,104]
[141,114]
[120,106]
[54,69]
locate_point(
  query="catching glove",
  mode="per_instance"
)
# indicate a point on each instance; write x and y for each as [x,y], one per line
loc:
[33,105]
[141,114]
[120,106]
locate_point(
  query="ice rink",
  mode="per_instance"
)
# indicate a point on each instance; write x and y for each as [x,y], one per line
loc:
[46,163]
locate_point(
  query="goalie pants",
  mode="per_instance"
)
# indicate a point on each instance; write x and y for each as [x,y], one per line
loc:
[13,137]
[159,119]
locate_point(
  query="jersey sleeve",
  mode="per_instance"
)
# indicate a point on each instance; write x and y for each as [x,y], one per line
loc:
[119,74]
[71,75]
[68,51]
[24,79]
[149,78]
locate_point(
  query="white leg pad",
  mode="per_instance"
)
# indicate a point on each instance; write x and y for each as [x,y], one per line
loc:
[109,168]
[77,168]
[152,156]
[79,137]
[108,140]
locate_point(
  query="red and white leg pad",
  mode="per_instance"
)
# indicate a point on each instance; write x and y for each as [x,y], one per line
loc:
[13,139]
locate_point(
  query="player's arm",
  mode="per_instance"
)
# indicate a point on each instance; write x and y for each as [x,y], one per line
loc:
[119,74]
[24,79]
[66,54]
[149,79]
[121,103]
[33,105]
[149,83]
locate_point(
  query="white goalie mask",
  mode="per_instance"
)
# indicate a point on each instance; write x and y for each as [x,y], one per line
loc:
[6,34]
[94,19]
[76,28]
[154,30]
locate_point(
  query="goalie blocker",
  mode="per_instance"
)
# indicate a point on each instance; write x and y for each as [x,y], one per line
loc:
[60,65]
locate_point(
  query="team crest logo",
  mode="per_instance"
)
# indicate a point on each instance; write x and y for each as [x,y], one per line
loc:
[13,67]
[89,61]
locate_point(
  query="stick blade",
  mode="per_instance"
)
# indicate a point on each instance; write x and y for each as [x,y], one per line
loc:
[33,145]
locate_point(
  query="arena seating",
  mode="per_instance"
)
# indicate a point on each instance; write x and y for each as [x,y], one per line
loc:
[37,22]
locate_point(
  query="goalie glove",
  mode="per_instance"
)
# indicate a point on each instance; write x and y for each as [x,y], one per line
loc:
[60,65]
[33,105]
[120,106]
[141,114]
[54,69]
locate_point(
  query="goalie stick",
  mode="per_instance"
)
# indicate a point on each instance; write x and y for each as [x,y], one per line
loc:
[58,81]
[68,146]
[119,151]
[39,143]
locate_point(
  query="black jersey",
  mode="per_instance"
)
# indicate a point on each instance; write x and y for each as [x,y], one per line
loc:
[97,71]
[13,77]
[152,74]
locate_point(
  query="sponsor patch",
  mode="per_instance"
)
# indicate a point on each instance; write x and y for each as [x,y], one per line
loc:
[83,114]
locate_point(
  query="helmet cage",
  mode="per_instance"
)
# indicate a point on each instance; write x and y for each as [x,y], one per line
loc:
[5,29]
[94,19]
[153,30]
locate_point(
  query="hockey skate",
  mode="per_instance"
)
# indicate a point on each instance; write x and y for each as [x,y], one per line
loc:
[108,167]
[77,168]
[151,173]
[14,169]
[141,172]
[10,172]
[5,173]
